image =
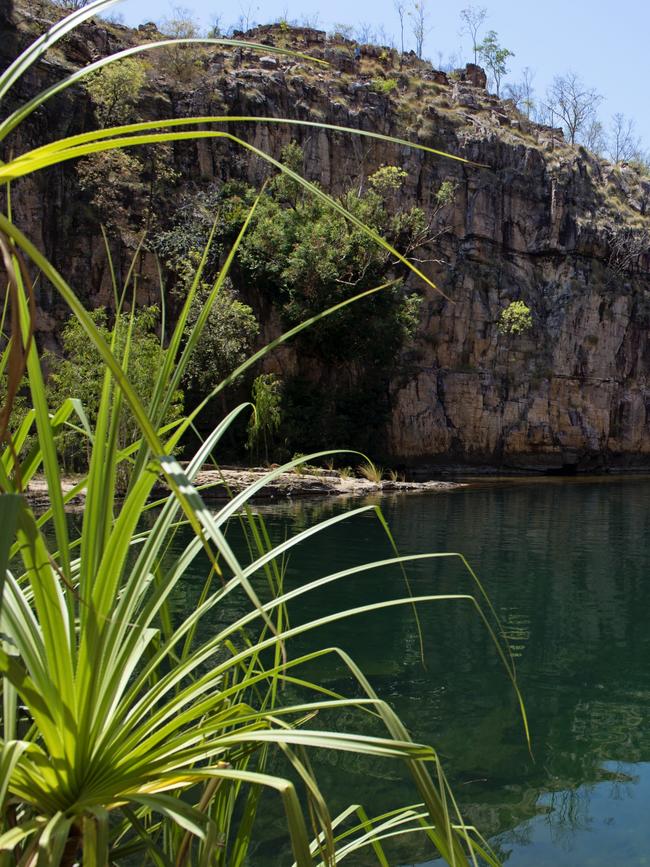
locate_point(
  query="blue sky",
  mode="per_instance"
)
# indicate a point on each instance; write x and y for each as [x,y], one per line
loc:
[607,44]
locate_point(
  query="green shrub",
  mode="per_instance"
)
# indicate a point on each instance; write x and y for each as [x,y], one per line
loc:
[516,318]
[303,257]
[387,180]
[445,193]
[227,341]
[265,421]
[384,85]
[115,91]
[78,373]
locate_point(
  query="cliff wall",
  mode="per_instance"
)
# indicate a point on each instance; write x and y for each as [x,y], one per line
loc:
[536,220]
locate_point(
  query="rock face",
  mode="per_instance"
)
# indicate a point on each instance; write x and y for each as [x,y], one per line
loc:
[533,219]
[571,393]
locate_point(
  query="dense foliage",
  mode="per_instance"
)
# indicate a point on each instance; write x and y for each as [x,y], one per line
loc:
[78,373]
[304,258]
[299,258]
[265,421]
[516,318]
[227,342]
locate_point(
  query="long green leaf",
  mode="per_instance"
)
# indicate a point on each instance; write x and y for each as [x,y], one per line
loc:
[26,165]
[24,111]
[53,839]
[10,505]
[37,49]
[143,126]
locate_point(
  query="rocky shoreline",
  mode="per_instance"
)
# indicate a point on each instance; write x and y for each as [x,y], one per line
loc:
[223,483]
[308,484]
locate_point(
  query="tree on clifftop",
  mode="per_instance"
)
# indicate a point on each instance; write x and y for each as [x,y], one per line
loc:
[400,8]
[473,19]
[522,93]
[623,144]
[574,103]
[494,56]
[419,16]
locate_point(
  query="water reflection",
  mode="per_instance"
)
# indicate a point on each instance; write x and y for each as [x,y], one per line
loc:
[566,566]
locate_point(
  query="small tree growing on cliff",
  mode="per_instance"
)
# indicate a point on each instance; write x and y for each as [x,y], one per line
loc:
[115,91]
[387,180]
[494,56]
[121,182]
[515,319]
[111,179]
[181,62]
[594,137]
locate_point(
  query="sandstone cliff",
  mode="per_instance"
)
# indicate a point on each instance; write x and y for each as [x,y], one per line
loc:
[542,221]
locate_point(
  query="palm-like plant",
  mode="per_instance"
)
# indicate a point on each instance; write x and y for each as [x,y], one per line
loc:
[123,732]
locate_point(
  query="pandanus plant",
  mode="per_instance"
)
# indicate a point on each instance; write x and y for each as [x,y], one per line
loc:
[125,734]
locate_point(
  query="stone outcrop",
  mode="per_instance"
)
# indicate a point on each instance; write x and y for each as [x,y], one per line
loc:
[222,484]
[533,219]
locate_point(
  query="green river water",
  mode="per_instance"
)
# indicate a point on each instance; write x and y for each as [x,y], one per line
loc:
[567,566]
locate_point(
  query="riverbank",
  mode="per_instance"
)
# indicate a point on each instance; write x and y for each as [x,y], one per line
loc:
[310,483]
[223,483]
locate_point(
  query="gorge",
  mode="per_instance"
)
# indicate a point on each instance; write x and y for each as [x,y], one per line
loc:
[533,219]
